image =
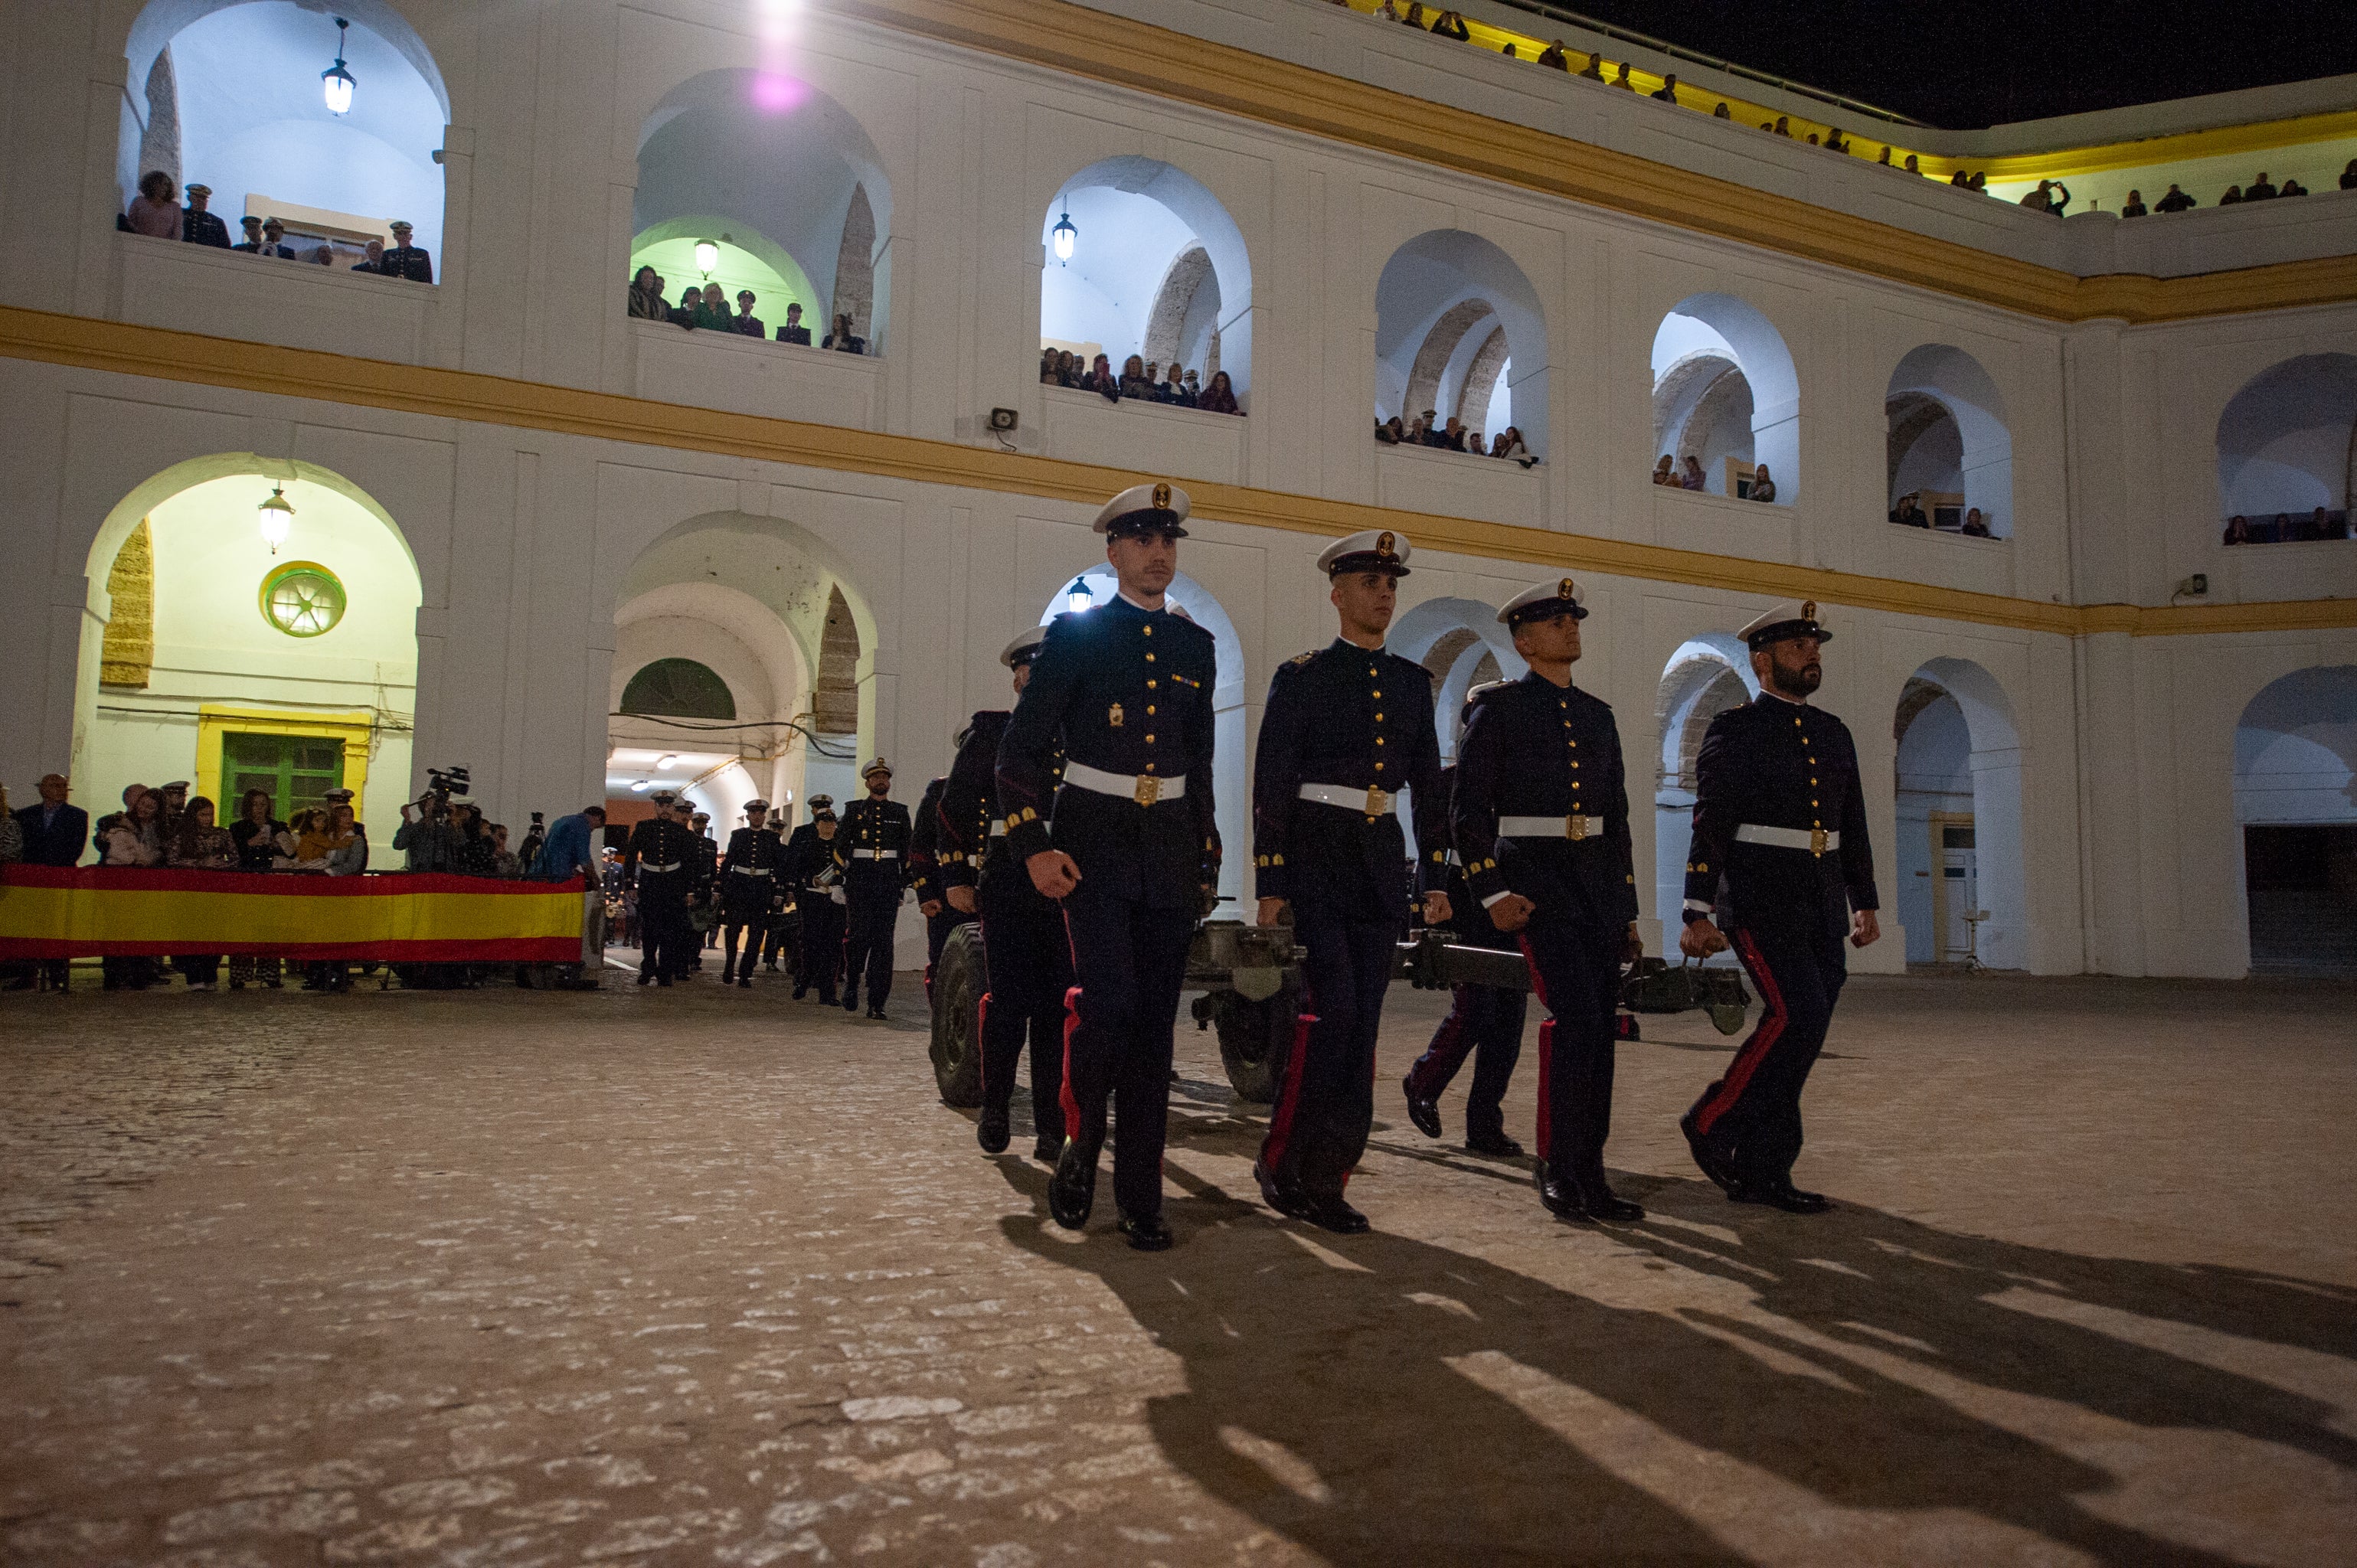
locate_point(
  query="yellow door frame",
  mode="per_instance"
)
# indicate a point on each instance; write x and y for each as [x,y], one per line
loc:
[355,727]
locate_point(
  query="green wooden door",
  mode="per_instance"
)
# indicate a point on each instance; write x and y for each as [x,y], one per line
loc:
[297,770]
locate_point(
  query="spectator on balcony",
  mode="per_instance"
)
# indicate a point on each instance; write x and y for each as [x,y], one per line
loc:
[1783,126]
[1837,142]
[2238,531]
[1978,182]
[1693,478]
[1976,525]
[1764,488]
[1885,159]
[1665,471]
[1101,379]
[1621,80]
[1909,513]
[2040,199]
[2175,200]
[1450,436]
[744,322]
[2261,189]
[1390,431]
[646,296]
[1722,112]
[1220,397]
[793,331]
[251,227]
[1194,391]
[712,311]
[1668,92]
[1133,377]
[1450,25]
[1594,69]
[2234,197]
[1049,368]
[1912,166]
[1553,55]
[154,212]
[2316,525]
[404,259]
[325,256]
[2293,188]
[2134,206]
[1174,389]
[843,339]
[1511,446]
[198,226]
[1415,17]
[372,257]
[273,241]
[1153,382]
[2349,174]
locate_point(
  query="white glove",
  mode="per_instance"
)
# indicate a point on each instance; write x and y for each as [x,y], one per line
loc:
[835,895]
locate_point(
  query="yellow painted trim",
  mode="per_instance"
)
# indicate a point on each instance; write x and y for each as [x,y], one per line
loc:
[162,354]
[1056,35]
[354,727]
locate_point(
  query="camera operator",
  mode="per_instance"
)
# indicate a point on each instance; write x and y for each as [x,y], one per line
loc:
[428,834]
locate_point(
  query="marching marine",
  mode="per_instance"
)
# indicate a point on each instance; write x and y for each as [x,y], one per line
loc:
[873,850]
[1484,1022]
[1780,820]
[1025,949]
[660,856]
[751,885]
[929,880]
[1347,728]
[1542,816]
[1126,688]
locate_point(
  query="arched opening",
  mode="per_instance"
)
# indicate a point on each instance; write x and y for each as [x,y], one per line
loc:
[1461,646]
[2287,451]
[1704,678]
[221,660]
[1962,895]
[1726,393]
[1158,269]
[1229,744]
[2296,803]
[227,93]
[785,185]
[1460,334]
[1948,443]
[738,671]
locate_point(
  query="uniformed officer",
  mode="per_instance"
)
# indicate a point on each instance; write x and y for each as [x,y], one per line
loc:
[873,850]
[927,881]
[1484,1022]
[660,856]
[403,260]
[1347,728]
[751,885]
[1028,957]
[1542,816]
[1778,820]
[817,881]
[774,930]
[1126,687]
[701,894]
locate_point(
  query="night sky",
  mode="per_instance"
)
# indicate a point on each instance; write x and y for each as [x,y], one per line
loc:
[1988,62]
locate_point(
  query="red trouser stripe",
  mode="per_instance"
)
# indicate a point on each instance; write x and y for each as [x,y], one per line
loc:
[1064,1090]
[981,1033]
[1755,1049]
[1446,1052]
[1288,1099]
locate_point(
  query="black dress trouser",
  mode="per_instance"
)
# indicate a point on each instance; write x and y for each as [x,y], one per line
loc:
[1576,970]
[1326,1082]
[1129,960]
[875,918]
[1485,1023]
[745,919]
[664,934]
[1031,964]
[822,939]
[1753,1113]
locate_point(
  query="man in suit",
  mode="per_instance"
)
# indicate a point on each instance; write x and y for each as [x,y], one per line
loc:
[793,331]
[56,833]
[403,260]
[1779,819]
[1347,728]
[1126,689]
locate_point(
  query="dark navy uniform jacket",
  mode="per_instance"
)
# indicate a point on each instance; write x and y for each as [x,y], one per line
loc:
[1535,750]
[795,335]
[1341,716]
[1126,691]
[752,850]
[871,824]
[971,857]
[809,856]
[661,843]
[1780,765]
[410,261]
[924,845]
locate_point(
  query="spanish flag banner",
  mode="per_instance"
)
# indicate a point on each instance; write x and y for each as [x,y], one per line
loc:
[75,911]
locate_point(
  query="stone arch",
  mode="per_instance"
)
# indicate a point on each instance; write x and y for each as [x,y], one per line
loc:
[1704,676]
[1440,298]
[1700,338]
[238,82]
[1139,221]
[1947,432]
[2296,813]
[1959,751]
[2288,442]
[1460,642]
[787,171]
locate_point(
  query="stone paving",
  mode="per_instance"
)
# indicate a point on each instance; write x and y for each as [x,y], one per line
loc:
[512,1277]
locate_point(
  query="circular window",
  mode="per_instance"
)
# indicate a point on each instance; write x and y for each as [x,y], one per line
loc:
[302,599]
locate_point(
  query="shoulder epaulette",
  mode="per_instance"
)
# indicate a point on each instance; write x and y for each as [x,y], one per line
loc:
[1301,659]
[1475,694]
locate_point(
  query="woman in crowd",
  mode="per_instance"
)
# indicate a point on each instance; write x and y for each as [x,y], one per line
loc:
[1051,368]
[1693,477]
[1415,17]
[1764,488]
[1390,432]
[155,211]
[1664,471]
[200,845]
[1450,25]
[2238,531]
[1175,389]
[133,838]
[255,836]
[2234,197]
[1220,397]
[1975,526]
[503,861]
[1133,378]
[350,855]
[1511,444]
[2349,174]
[287,854]
[646,296]
[478,853]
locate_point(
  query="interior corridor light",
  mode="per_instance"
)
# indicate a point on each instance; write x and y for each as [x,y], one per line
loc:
[336,83]
[641,786]
[666,761]
[277,514]
[1064,234]
[1077,597]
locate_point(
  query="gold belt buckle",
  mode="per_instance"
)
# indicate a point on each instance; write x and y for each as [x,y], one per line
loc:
[1575,825]
[1377,801]
[1150,790]
[1817,840]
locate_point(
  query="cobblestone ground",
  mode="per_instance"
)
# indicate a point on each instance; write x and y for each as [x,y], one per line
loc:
[508,1277]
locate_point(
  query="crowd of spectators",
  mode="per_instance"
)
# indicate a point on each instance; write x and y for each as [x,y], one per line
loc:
[1670,475]
[167,827]
[1139,380]
[1428,429]
[707,305]
[1910,513]
[157,213]
[2286,529]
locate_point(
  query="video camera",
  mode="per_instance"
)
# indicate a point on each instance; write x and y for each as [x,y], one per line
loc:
[443,782]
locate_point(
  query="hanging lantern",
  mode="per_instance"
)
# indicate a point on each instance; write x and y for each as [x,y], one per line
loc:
[1077,597]
[1064,234]
[707,256]
[277,514]
[336,83]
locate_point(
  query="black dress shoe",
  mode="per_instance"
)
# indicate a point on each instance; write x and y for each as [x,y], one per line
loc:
[663,981]
[744,983]
[1557,1193]
[1331,1212]
[1073,1190]
[990,1130]
[1147,1232]
[646,980]
[1282,1196]
[877,1014]
[1716,1163]
[1599,1202]
[851,1003]
[1424,1113]
[1045,1147]
[1493,1143]
[801,992]
[1781,1195]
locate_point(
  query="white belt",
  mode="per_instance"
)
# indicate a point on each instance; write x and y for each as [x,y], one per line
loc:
[1816,841]
[673,867]
[1578,825]
[749,870]
[875,854]
[1143,788]
[1374,801]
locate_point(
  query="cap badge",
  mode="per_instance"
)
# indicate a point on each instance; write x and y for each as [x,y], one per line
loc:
[1809,610]
[1564,589]
[1162,496]
[1383,548]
